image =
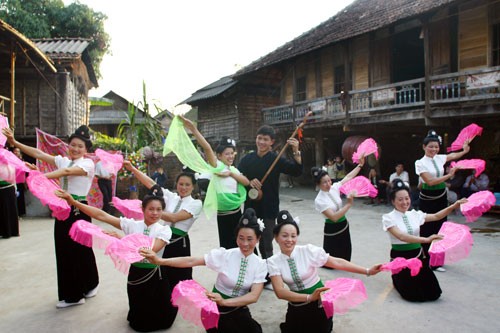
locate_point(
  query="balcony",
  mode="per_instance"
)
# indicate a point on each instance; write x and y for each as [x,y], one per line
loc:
[393,100]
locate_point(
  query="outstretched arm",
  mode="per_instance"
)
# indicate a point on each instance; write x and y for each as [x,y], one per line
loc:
[31,151]
[93,212]
[335,215]
[457,155]
[71,171]
[444,212]
[354,172]
[179,262]
[344,265]
[142,177]
[292,296]
[249,298]
[211,158]
[404,237]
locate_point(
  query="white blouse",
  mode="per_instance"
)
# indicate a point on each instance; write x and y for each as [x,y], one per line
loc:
[425,164]
[227,184]
[77,185]
[331,199]
[156,230]
[415,218]
[236,273]
[308,258]
[190,205]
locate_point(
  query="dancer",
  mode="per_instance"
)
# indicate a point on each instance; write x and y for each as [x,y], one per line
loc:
[430,169]
[403,227]
[297,267]
[77,276]
[254,166]
[180,212]
[240,276]
[337,238]
[230,194]
[148,286]
[9,223]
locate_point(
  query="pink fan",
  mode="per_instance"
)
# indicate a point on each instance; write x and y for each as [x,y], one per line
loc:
[360,185]
[456,244]
[477,164]
[125,251]
[130,208]
[4,123]
[467,133]
[344,294]
[194,306]
[7,173]
[111,162]
[367,147]
[88,234]
[7,157]
[43,188]
[399,263]
[477,204]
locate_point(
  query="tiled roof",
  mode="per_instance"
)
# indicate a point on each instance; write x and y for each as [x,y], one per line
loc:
[360,17]
[62,47]
[212,90]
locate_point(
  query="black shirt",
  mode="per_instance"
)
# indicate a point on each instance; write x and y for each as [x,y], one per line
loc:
[253,166]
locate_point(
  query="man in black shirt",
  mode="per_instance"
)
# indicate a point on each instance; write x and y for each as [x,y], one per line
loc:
[254,166]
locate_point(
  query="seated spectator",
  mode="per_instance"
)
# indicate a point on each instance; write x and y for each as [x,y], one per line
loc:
[475,184]
[339,167]
[160,177]
[454,185]
[400,173]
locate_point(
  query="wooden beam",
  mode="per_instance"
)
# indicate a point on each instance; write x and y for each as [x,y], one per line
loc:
[427,65]
[12,84]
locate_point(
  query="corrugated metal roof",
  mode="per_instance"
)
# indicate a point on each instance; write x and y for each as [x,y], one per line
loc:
[358,18]
[62,47]
[213,89]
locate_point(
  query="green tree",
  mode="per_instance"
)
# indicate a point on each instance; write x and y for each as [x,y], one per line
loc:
[51,19]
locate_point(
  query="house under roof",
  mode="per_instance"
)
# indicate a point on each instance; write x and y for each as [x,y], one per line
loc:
[360,17]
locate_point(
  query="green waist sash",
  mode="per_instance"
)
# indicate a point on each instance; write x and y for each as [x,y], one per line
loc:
[178,232]
[342,219]
[144,265]
[224,296]
[406,247]
[439,186]
[79,197]
[310,290]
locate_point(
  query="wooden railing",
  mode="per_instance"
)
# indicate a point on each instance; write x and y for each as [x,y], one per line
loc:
[447,88]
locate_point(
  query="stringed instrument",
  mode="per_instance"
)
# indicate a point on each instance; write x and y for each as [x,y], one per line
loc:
[255,194]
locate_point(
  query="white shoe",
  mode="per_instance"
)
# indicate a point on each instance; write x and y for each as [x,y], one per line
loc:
[64,304]
[440,269]
[92,292]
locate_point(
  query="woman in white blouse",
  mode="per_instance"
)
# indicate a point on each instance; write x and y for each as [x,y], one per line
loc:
[337,238]
[403,227]
[430,168]
[240,276]
[297,267]
[180,212]
[75,280]
[148,286]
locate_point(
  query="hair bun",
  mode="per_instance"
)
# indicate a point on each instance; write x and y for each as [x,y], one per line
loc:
[285,216]
[156,191]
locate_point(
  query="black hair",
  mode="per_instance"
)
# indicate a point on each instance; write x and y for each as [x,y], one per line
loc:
[186,174]
[249,220]
[266,130]
[225,142]
[397,185]
[317,173]
[432,137]
[284,218]
[82,133]
[155,193]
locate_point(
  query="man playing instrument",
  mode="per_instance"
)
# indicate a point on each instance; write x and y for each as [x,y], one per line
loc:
[254,166]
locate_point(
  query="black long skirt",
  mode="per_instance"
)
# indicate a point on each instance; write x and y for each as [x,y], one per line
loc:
[149,294]
[338,245]
[76,266]
[9,220]
[236,320]
[420,288]
[178,247]
[431,206]
[306,318]
[226,224]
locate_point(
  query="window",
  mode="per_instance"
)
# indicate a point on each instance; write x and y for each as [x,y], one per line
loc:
[300,89]
[339,79]
[495,45]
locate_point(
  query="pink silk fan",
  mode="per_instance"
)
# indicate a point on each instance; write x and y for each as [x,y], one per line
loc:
[344,294]
[360,186]
[476,164]
[367,147]
[126,250]
[477,204]
[466,134]
[399,263]
[44,188]
[130,208]
[111,162]
[456,244]
[4,123]
[88,234]
[194,306]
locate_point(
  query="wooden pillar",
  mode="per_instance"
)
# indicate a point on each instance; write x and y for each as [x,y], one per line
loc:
[427,64]
[12,84]
[319,151]
[23,108]
[346,100]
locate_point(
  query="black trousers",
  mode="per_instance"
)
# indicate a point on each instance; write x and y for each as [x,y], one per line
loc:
[106,188]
